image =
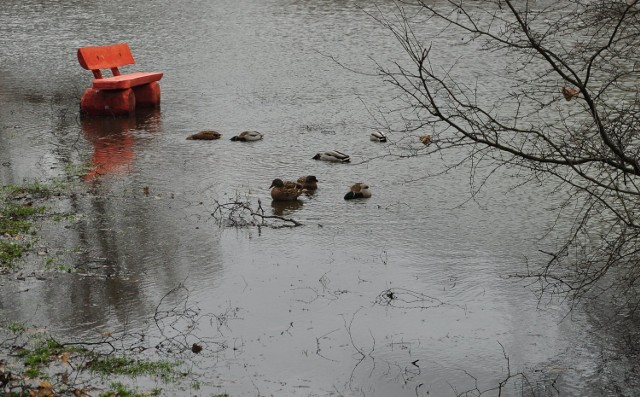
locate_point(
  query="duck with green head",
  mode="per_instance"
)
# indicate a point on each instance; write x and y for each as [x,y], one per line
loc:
[358,190]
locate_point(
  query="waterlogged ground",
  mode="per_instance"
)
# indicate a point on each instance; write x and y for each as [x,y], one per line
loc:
[407,293]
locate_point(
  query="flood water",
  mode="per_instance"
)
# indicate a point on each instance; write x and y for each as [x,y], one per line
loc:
[302,309]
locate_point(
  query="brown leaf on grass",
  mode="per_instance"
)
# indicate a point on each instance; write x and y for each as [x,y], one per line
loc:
[80,393]
[45,389]
[64,358]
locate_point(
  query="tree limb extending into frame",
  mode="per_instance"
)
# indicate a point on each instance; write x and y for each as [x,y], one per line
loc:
[565,112]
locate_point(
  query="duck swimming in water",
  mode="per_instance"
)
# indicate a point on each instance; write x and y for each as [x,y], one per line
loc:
[332,155]
[308,182]
[359,190]
[285,191]
[378,136]
[247,136]
[205,135]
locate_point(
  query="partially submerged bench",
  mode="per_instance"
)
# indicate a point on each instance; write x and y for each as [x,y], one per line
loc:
[120,94]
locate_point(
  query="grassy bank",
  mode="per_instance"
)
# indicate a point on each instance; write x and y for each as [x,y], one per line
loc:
[35,361]
[40,365]
[21,206]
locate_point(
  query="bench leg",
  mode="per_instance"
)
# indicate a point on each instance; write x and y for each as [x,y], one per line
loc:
[148,95]
[108,102]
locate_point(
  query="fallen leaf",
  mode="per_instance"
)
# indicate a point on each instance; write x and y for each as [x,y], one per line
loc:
[569,93]
[64,358]
[80,393]
[45,389]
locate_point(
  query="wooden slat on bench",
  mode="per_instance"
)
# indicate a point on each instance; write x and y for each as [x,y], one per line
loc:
[105,57]
[126,81]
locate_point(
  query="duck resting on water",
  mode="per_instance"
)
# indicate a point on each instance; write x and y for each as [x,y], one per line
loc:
[285,191]
[332,155]
[205,136]
[247,136]
[378,136]
[308,182]
[358,190]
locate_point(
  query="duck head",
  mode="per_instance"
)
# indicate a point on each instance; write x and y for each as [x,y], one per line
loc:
[277,183]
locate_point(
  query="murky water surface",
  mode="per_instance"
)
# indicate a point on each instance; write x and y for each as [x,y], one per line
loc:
[305,309]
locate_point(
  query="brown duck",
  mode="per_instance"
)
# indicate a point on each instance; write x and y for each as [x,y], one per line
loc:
[308,182]
[205,136]
[285,191]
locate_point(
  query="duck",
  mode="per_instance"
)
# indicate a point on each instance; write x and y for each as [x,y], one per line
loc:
[246,136]
[426,139]
[281,191]
[205,136]
[308,182]
[378,136]
[292,185]
[332,155]
[569,93]
[358,190]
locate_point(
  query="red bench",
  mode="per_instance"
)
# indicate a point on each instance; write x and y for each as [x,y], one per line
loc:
[120,94]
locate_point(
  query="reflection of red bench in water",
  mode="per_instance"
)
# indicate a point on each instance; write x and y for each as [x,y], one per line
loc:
[113,143]
[120,94]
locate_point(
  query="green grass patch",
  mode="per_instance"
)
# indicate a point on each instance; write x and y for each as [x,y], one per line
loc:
[20,206]
[16,327]
[43,352]
[18,212]
[41,355]
[36,190]
[53,264]
[9,251]
[134,368]
[76,170]
[117,389]
[12,226]
[15,219]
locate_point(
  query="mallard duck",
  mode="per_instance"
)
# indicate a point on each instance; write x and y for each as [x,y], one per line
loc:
[281,191]
[308,182]
[569,93]
[292,185]
[359,190]
[205,135]
[378,136]
[426,139]
[246,136]
[332,155]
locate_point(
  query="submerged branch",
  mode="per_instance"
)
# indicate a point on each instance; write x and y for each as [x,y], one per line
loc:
[241,214]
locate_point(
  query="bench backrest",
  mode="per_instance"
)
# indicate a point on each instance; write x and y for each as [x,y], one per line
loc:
[105,57]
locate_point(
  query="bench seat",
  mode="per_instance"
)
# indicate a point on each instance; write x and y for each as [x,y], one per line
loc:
[125,81]
[121,94]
